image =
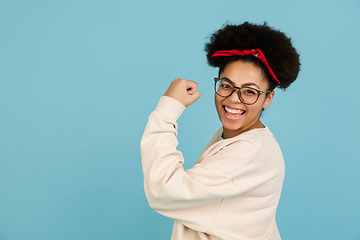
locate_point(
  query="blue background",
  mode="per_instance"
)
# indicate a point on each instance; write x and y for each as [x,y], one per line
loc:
[78,80]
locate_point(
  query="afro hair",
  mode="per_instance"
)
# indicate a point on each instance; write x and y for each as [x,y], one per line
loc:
[276,46]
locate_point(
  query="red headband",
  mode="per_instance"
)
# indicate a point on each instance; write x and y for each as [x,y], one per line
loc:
[255,52]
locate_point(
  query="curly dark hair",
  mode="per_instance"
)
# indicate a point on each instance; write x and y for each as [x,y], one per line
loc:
[276,46]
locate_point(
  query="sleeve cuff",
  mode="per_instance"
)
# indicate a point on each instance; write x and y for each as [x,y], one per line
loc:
[170,108]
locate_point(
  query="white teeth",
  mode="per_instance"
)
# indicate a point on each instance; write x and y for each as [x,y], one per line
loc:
[234,111]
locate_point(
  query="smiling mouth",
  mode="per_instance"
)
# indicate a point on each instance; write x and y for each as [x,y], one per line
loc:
[233,113]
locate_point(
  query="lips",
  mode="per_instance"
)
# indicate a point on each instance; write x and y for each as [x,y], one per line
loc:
[233,113]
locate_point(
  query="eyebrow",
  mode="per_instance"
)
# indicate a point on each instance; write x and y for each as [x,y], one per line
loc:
[249,84]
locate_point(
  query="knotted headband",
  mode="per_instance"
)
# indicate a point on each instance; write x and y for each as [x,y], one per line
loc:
[255,52]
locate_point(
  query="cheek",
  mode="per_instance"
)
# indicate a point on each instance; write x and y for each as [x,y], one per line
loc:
[218,103]
[218,100]
[257,109]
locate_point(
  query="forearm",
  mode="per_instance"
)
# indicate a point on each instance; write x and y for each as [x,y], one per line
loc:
[167,185]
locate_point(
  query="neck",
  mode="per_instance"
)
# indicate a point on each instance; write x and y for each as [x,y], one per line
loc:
[230,133]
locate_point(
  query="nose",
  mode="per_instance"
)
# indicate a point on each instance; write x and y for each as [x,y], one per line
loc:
[234,97]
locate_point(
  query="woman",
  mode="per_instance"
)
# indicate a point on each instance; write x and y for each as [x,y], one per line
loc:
[233,189]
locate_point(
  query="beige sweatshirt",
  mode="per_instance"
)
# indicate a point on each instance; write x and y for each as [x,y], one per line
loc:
[232,191]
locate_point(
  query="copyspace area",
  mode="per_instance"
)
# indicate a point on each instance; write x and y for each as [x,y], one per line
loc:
[79,78]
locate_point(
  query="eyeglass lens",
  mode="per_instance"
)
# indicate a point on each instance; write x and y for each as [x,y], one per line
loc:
[225,88]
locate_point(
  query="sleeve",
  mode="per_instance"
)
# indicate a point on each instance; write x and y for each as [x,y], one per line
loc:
[167,186]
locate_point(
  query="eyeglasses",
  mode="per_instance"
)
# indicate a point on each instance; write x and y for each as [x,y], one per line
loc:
[225,87]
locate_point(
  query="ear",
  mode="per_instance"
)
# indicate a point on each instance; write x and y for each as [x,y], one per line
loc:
[268,99]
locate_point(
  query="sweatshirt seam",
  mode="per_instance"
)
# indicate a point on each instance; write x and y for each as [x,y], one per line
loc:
[217,212]
[231,177]
[234,171]
[251,157]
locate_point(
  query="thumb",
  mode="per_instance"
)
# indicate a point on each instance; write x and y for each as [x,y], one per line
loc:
[196,95]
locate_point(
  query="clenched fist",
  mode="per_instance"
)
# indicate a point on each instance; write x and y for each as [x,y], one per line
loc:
[185,91]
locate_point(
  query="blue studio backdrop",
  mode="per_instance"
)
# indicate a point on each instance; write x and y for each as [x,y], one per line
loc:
[79,78]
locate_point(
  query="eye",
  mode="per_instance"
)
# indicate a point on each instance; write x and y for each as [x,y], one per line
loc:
[225,85]
[249,91]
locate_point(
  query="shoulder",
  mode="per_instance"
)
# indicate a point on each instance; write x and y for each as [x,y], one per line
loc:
[255,145]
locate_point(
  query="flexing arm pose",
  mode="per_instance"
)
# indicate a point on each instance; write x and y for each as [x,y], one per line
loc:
[233,189]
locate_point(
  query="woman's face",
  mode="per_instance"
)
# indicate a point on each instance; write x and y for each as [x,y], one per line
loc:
[235,116]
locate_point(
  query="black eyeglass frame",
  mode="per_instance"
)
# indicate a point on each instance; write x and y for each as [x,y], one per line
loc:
[239,92]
